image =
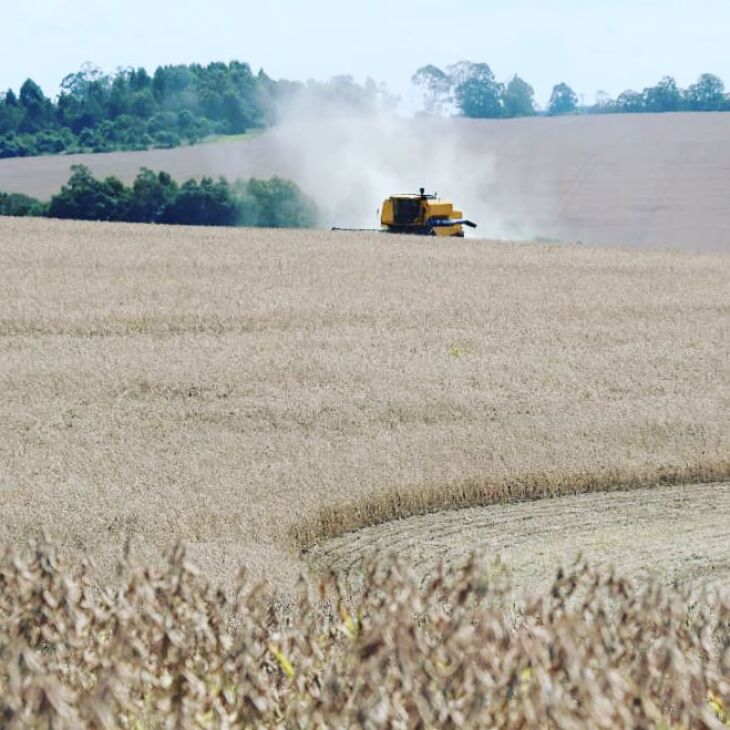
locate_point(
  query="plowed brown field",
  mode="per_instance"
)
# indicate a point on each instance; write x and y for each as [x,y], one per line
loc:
[244,389]
[636,180]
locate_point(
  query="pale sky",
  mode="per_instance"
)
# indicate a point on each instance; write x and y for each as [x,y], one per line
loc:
[592,45]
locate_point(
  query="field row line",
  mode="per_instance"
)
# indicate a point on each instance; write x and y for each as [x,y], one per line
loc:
[399,503]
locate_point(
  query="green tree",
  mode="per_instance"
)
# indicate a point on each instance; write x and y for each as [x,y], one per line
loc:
[708,94]
[563,100]
[204,203]
[143,104]
[127,132]
[17,204]
[38,110]
[11,113]
[191,127]
[84,100]
[664,97]
[194,100]
[152,193]
[436,85]
[155,197]
[86,198]
[479,95]
[458,72]
[519,98]
[174,86]
[120,95]
[630,102]
[604,104]
[139,80]
[49,143]
[17,145]
[163,122]
[278,203]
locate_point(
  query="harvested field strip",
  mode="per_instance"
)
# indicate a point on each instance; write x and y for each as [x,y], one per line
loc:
[675,533]
[335,521]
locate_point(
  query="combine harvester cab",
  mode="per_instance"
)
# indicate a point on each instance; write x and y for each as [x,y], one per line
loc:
[422,215]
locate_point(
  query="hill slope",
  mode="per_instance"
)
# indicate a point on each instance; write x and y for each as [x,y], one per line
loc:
[644,180]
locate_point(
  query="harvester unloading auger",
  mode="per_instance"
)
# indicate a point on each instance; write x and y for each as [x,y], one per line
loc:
[419,214]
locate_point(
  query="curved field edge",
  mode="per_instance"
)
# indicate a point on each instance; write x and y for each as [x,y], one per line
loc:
[337,520]
[674,535]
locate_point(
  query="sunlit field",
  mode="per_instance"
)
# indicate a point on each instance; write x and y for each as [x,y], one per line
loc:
[253,393]
[303,402]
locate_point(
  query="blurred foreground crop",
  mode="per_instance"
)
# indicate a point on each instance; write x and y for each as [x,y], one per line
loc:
[162,648]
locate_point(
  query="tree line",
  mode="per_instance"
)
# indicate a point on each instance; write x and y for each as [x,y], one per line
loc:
[472,90]
[132,109]
[154,197]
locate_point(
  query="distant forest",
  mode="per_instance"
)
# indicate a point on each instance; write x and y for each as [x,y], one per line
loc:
[471,90]
[133,110]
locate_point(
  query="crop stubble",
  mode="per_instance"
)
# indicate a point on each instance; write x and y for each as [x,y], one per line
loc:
[223,387]
[677,534]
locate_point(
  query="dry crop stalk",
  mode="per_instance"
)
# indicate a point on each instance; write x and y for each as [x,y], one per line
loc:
[163,648]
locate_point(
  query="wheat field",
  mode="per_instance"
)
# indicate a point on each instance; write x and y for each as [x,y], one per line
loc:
[253,393]
[288,402]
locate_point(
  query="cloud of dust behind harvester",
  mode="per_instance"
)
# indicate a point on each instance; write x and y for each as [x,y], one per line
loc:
[350,163]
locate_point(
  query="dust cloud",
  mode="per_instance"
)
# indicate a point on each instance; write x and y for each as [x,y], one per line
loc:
[350,163]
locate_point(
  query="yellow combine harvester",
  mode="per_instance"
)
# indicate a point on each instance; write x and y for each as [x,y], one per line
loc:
[423,215]
[419,214]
